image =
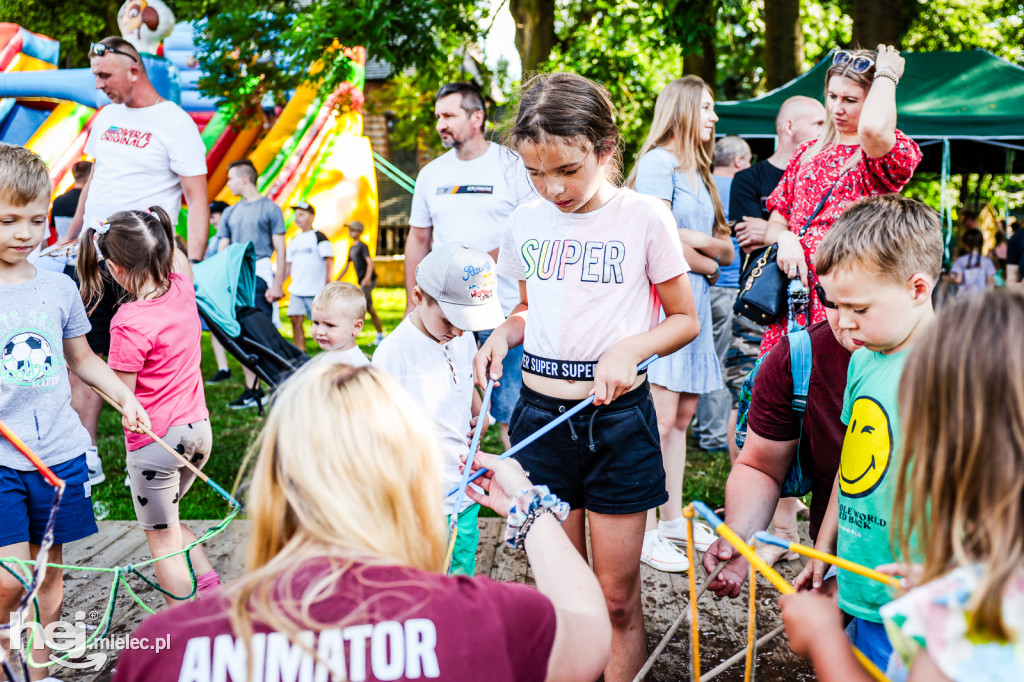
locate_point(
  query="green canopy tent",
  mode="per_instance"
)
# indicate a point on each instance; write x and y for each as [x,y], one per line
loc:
[965,110]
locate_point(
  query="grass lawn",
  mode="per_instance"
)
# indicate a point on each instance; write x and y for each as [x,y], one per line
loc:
[235,430]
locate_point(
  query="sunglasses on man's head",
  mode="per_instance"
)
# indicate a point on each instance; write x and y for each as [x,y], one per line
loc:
[858,64]
[99,49]
[823,298]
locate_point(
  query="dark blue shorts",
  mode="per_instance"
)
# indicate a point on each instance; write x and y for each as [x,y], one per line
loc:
[605,459]
[26,498]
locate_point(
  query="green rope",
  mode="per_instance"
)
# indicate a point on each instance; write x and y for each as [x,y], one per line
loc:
[394,172]
[120,578]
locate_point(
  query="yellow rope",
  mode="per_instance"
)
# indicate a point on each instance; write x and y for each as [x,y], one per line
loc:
[844,564]
[694,630]
[774,578]
[748,671]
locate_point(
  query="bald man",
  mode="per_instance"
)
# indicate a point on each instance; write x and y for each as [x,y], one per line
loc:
[799,119]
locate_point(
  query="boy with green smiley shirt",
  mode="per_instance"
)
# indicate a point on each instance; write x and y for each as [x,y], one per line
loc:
[877,266]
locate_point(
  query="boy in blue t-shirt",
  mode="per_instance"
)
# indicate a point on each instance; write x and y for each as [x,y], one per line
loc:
[877,265]
[42,336]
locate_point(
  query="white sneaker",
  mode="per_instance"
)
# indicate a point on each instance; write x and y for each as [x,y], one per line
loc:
[377,339]
[92,460]
[662,555]
[675,532]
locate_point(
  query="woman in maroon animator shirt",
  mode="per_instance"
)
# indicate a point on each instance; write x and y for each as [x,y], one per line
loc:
[344,576]
[859,154]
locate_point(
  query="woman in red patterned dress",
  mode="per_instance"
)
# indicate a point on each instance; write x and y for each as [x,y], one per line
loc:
[859,154]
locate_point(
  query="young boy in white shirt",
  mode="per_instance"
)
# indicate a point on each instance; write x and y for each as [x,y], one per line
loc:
[337,313]
[456,291]
[311,265]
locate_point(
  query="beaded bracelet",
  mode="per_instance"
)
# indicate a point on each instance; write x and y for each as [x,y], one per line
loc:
[527,505]
[886,75]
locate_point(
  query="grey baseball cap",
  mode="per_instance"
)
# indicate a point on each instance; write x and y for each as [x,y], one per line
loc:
[462,279]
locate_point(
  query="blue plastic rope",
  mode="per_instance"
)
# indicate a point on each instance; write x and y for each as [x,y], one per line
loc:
[473,446]
[548,427]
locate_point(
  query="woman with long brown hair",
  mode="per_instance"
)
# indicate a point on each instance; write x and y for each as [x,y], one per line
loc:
[674,165]
[859,154]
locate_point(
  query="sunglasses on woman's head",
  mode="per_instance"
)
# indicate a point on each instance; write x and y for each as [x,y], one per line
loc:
[858,64]
[823,298]
[99,49]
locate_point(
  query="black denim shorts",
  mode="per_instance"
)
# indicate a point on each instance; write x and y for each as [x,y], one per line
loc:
[604,459]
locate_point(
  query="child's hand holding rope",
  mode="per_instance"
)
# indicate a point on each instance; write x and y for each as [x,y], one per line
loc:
[134,417]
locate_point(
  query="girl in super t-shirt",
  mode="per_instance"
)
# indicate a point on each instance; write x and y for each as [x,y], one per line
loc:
[154,349]
[593,262]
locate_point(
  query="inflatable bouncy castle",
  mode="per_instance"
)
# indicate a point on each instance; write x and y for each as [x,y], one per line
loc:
[312,150]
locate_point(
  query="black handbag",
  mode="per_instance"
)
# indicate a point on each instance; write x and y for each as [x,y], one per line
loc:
[764,287]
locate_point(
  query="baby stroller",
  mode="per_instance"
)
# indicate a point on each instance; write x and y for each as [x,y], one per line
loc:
[225,291]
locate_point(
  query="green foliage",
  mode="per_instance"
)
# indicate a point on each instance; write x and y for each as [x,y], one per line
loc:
[74,24]
[740,50]
[250,48]
[993,25]
[825,25]
[625,47]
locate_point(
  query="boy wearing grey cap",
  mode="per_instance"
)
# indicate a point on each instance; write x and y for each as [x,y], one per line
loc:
[455,292]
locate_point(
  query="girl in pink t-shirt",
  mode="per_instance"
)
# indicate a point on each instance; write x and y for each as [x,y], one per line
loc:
[593,262]
[154,349]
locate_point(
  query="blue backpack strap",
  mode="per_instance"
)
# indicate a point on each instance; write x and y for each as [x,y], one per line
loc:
[800,360]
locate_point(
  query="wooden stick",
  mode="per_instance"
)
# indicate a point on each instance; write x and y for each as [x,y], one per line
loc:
[158,440]
[683,615]
[748,670]
[730,662]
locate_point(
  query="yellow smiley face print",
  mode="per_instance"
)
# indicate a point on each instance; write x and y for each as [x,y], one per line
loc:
[867,449]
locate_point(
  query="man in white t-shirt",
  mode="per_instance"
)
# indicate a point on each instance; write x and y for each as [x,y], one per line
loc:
[467,196]
[146,152]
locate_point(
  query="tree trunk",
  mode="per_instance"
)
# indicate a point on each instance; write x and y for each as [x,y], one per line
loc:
[703,61]
[535,30]
[882,21]
[784,42]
